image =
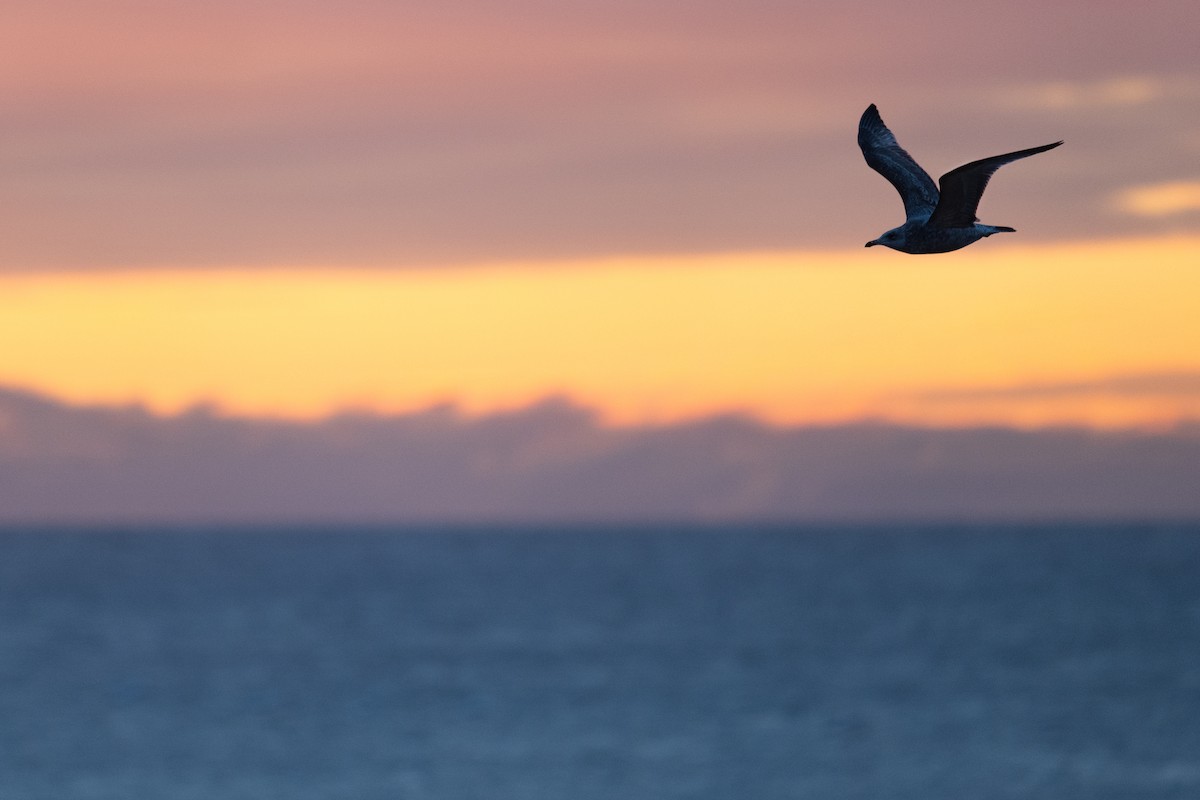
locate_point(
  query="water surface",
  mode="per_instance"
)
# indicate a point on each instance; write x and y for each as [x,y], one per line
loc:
[659,662]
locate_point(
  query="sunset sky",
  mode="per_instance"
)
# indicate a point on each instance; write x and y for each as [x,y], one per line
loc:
[287,210]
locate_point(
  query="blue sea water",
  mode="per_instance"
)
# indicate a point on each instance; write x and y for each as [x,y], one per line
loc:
[658,662]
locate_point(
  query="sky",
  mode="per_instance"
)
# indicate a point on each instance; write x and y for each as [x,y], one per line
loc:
[274,214]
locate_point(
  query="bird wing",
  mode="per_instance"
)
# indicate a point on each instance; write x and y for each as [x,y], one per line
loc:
[888,158]
[962,187]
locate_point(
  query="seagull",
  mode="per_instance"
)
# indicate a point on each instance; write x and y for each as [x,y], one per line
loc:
[937,222]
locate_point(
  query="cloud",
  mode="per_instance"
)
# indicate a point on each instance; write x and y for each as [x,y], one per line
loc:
[1178,385]
[1106,93]
[554,461]
[401,134]
[1113,402]
[1160,199]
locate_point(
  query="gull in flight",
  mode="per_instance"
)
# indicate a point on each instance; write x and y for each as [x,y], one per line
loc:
[937,221]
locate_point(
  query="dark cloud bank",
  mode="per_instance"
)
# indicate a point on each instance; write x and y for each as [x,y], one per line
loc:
[554,462]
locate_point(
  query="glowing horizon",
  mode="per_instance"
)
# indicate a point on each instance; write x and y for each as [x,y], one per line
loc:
[794,338]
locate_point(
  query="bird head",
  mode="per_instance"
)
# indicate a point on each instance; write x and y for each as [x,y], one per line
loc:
[896,238]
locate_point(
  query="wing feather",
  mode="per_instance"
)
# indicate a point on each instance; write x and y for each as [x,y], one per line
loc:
[962,187]
[885,155]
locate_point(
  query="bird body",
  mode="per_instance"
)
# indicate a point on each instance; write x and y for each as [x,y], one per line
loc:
[939,218]
[917,236]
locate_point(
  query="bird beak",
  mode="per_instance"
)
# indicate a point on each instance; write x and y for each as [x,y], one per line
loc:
[871,243]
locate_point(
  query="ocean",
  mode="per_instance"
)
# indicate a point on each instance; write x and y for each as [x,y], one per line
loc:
[625,663]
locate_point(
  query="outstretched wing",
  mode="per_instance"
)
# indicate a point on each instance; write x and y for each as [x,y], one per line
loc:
[887,157]
[963,186]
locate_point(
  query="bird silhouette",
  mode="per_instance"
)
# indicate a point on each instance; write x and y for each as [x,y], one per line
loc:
[937,221]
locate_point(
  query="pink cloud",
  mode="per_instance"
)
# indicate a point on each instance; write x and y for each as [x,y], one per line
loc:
[267,132]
